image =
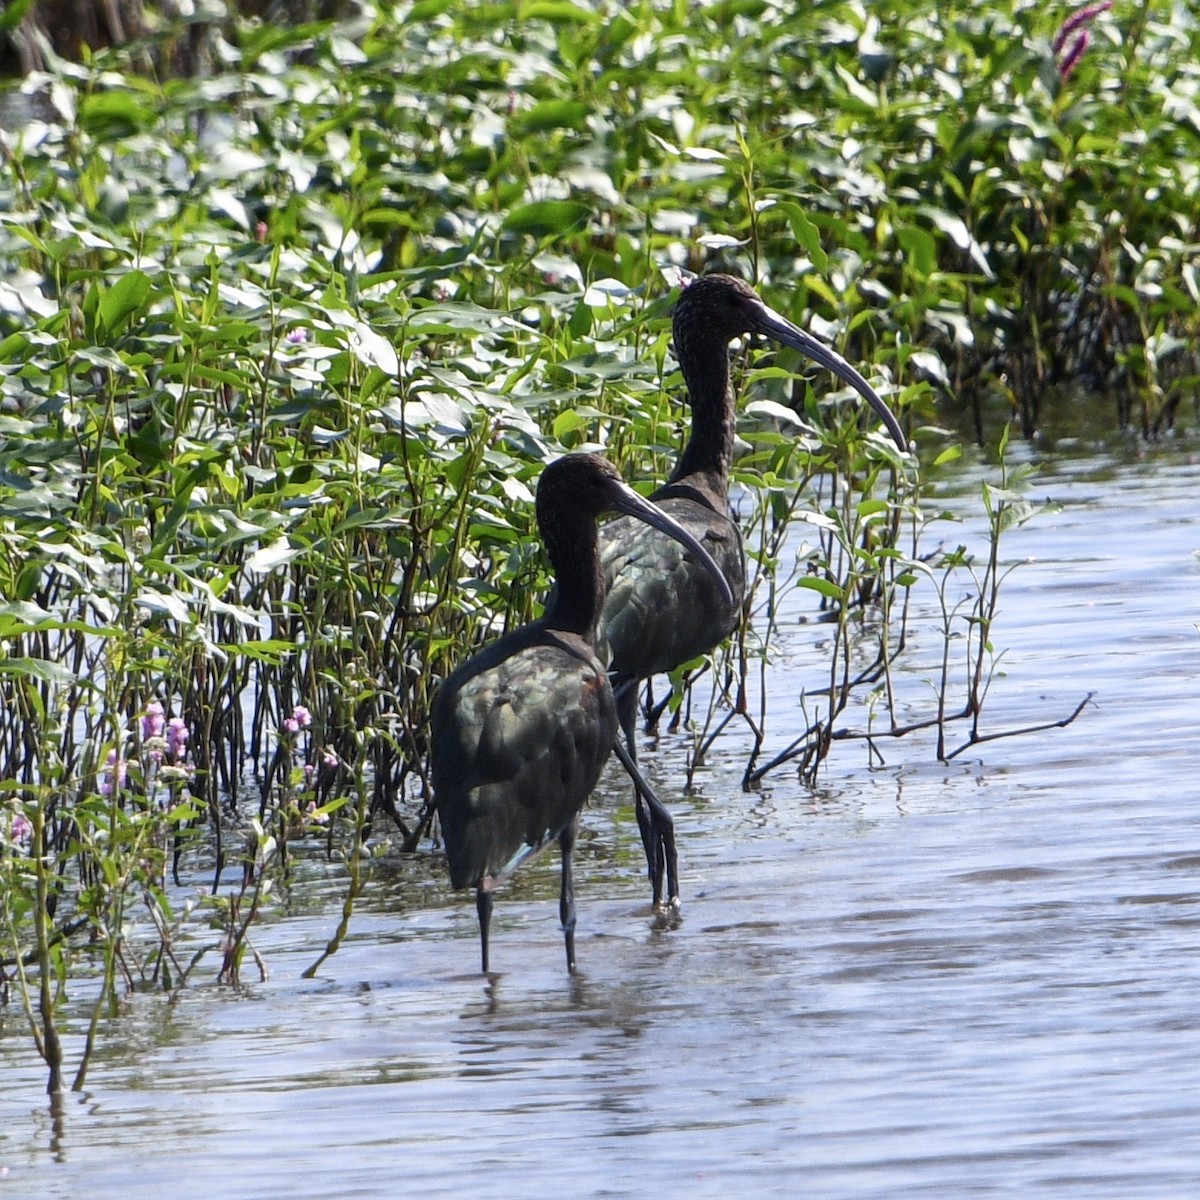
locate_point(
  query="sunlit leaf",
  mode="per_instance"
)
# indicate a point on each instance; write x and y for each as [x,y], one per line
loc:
[273,555]
[374,350]
[931,364]
[775,412]
[167,603]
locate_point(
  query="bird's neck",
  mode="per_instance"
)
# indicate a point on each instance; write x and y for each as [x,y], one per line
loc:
[705,462]
[705,458]
[578,579]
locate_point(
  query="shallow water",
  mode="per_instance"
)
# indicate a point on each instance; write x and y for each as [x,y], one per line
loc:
[971,979]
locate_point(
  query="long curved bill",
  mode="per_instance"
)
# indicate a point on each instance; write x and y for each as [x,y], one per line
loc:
[777,327]
[625,500]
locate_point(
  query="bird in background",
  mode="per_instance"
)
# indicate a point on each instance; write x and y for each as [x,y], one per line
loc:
[521,731]
[660,608]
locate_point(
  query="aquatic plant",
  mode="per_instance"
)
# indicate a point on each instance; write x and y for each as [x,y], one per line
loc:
[283,348]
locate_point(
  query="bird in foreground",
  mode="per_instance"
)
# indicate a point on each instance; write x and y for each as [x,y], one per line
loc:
[521,731]
[660,610]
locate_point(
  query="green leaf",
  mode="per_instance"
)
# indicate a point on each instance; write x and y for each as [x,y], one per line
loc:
[10,18]
[554,114]
[567,422]
[806,233]
[558,12]
[545,217]
[826,587]
[125,297]
[580,324]
[115,114]
[271,650]
[869,507]
[35,668]
[919,248]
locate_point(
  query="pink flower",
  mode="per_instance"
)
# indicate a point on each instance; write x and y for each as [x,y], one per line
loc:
[297,336]
[308,774]
[291,725]
[152,722]
[329,760]
[21,831]
[113,779]
[301,716]
[177,738]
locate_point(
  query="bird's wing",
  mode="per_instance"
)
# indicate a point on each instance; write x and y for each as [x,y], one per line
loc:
[517,751]
[661,607]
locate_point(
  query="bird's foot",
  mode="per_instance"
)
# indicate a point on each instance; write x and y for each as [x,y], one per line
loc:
[666,916]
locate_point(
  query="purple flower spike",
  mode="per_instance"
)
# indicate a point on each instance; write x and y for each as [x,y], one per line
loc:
[1076,24]
[1084,16]
[1071,59]
[177,738]
[152,722]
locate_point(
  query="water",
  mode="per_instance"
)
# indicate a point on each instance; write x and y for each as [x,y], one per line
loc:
[974,979]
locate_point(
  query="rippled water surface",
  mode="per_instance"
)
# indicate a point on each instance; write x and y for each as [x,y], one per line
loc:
[973,979]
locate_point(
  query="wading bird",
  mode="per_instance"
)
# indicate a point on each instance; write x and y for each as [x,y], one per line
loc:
[660,611]
[521,731]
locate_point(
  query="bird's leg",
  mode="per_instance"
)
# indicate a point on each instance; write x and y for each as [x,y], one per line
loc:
[662,826]
[658,831]
[483,906]
[626,697]
[660,836]
[566,900]
[654,820]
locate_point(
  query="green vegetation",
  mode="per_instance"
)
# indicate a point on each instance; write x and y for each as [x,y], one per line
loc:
[283,349]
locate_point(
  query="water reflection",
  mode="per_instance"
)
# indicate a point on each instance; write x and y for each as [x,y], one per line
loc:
[916,980]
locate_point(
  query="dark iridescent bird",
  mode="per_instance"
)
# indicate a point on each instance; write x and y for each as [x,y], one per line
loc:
[660,611]
[520,732]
